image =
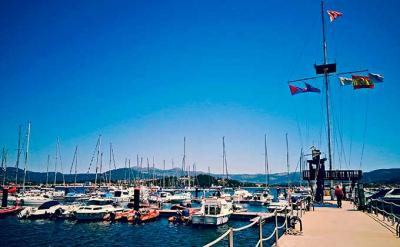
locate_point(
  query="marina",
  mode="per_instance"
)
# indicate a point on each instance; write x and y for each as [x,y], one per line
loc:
[126,113]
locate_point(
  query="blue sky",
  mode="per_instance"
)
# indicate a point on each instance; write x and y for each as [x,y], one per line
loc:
[144,74]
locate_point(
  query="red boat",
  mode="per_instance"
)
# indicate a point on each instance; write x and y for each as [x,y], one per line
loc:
[148,215]
[10,210]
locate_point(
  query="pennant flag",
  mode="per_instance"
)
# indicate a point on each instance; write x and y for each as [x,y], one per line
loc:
[311,89]
[375,78]
[345,81]
[295,90]
[361,82]
[334,14]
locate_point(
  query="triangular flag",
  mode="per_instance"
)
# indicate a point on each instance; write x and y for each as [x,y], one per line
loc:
[334,14]
[311,89]
[295,90]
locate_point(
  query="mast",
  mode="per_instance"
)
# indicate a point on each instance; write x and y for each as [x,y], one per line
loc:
[184,158]
[76,164]
[4,165]
[47,170]
[266,161]
[26,154]
[55,166]
[153,173]
[109,164]
[224,162]
[59,153]
[125,169]
[328,118]
[163,177]
[287,160]
[18,155]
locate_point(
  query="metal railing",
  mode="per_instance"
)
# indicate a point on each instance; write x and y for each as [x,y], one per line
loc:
[302,205]
[373,206]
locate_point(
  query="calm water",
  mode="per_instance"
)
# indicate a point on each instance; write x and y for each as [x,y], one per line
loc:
[158,233]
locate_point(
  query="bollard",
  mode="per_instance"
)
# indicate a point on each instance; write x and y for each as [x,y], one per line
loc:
[276,228]
[260,232]
[231,238]
[136,199]
[5,198]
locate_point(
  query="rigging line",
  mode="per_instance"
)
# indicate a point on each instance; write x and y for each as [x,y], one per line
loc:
[305,44]
[365,130]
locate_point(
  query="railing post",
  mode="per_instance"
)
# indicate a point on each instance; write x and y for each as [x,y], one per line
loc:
[391,212]
[286,221]
[301,209]
[276,228]
[260,232]
[383,209]
[231,238]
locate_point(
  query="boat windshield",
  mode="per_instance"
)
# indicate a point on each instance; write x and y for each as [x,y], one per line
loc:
[99,202]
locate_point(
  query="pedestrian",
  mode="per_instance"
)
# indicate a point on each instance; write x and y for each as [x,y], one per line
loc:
[339,196]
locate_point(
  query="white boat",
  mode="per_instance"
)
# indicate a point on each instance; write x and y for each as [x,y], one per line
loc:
[30,199]
[75,197]
[260,199]
[279,205]
[241,195]
[214,211]
[96,209]
[180,197]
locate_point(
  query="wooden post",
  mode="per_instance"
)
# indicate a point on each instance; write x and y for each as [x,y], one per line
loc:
[260,231]
[276,227]
[231,237]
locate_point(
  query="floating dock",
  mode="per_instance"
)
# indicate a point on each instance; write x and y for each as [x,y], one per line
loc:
[341,227]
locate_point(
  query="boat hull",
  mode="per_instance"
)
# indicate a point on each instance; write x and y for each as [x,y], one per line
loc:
[209,220]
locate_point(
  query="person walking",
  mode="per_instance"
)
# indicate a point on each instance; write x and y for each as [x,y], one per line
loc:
[339,196]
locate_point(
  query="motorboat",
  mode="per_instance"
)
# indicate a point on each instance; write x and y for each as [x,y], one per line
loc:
[96,209]
[180,197]
[214,211]
[279,205]
[392,196]
[260,199]
[241,195]
[34,199]
[75,197]
[46,210]
[5,211]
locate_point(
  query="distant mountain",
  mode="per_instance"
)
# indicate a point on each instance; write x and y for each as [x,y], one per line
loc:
[381,176]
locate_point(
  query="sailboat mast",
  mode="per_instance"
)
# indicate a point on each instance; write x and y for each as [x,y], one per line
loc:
[109,164]
[76,164]
[266,162]
[4,165]
[47,170]
[328,118]
[163,178]
[184,158]
[26,155]
[287,160]
[18,155]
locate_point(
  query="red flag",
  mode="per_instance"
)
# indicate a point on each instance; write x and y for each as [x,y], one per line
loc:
[334,14]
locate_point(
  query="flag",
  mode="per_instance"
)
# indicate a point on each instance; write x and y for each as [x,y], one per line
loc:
[375,78]
[361,82]
[345,81]
[311,89]
[308,89]
[295,90]
[334,14]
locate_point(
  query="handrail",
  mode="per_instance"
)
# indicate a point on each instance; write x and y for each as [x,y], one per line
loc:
[394,217]
[260,220]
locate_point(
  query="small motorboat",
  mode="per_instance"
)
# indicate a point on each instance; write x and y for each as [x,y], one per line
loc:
[182,216]
[96,209]
[214,211]
[120,216]
[46,210]
[10,210]
[145,215]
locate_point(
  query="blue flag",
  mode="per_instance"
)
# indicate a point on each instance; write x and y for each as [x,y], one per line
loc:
[311,89]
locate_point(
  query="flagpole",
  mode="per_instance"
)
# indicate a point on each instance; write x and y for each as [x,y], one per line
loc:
[326,90]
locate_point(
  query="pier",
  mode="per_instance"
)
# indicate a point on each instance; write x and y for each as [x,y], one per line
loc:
[346,226]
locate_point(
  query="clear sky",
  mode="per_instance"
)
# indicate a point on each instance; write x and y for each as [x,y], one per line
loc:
[144,74]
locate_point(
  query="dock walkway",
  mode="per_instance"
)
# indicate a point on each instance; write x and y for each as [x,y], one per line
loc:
[340,227]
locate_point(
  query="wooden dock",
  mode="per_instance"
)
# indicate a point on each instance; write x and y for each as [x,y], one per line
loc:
[340,227]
